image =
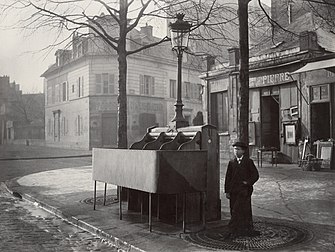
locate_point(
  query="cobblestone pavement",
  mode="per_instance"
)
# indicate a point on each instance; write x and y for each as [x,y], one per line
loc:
[26,227]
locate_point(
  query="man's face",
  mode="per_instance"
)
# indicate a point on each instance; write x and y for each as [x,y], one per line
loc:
[238,151]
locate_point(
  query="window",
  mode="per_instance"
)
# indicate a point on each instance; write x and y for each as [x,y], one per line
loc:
[79,125]
[187,90]
[147,85]
[64,88]
[320,93]
[172,88]
[80,85]
[49,95]
[219,107]
[104,83]
[98,84]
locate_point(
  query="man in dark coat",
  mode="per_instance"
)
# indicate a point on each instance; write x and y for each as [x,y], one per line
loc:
[240,177]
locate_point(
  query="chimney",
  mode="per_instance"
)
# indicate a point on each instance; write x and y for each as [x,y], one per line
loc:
[147,30]
[234,56]
[308,41]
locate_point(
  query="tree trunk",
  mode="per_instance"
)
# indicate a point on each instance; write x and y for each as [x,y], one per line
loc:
[122,142]
[243,108]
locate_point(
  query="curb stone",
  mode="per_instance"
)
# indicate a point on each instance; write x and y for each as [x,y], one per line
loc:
[124,246]
[47,157]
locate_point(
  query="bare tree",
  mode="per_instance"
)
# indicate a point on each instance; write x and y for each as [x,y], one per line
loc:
[243,110]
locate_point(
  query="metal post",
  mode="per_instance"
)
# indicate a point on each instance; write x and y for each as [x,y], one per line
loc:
[120,202]
[184,212]
[203,201]
[150,213]
[157,206]
[176,208]
[105,194]
[179,118]
[141,199]
[95,194]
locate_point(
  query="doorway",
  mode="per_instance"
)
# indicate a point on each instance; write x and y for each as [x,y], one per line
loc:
[109,130]
[320,121]
[270,136]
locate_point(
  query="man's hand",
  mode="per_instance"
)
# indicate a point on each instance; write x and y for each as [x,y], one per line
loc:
[228,195]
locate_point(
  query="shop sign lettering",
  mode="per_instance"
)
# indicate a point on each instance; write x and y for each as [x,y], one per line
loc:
[269,79]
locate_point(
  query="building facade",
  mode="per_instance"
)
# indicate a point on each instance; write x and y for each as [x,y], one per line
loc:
[282,109]
[81,92]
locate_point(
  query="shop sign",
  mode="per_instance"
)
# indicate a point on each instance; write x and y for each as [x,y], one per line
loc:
[145,106]
[319,77]
[103,105]
[269,79]
[219,85]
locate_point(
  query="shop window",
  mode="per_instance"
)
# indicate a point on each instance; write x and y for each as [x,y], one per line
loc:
[220,111]
[320,93]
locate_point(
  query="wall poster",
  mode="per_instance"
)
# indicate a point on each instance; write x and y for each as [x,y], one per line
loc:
[290,134]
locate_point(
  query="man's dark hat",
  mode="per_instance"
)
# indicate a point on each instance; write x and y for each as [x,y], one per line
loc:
[240,144]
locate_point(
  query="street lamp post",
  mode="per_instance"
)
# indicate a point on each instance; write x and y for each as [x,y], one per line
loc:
[180,31]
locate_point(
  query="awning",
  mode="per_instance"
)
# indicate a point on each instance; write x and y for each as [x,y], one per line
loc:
[316,66]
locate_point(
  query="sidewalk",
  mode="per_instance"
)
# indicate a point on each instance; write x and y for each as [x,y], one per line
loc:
[285,199]
[17,151]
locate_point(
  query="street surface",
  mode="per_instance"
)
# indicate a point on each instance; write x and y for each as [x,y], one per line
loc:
[27,227]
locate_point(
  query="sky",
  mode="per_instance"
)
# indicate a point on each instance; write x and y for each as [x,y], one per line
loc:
[24,55]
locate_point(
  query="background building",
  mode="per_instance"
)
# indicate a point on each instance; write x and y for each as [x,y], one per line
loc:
[21,115]
[81,91]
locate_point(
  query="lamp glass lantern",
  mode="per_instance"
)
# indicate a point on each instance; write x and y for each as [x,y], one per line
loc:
[180,31]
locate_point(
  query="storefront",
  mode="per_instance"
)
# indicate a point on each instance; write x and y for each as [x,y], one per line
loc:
[274,109]
[317,80]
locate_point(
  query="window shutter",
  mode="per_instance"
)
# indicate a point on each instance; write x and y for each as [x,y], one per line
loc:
[111,84]
[98,84]
[82,86]
[78,86]
[152,85]
[141,84]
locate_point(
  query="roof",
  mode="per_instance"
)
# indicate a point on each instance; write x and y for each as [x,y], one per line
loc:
[289,39]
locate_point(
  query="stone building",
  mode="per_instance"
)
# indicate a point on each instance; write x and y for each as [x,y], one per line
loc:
[81,91]
[21,115]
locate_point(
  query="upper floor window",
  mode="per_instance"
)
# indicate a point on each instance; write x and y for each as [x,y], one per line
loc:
[80,86]
[147,85]
[64,91]
[104,83]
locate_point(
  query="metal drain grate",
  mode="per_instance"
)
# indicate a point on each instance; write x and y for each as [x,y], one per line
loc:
[273,235]
[111,199]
